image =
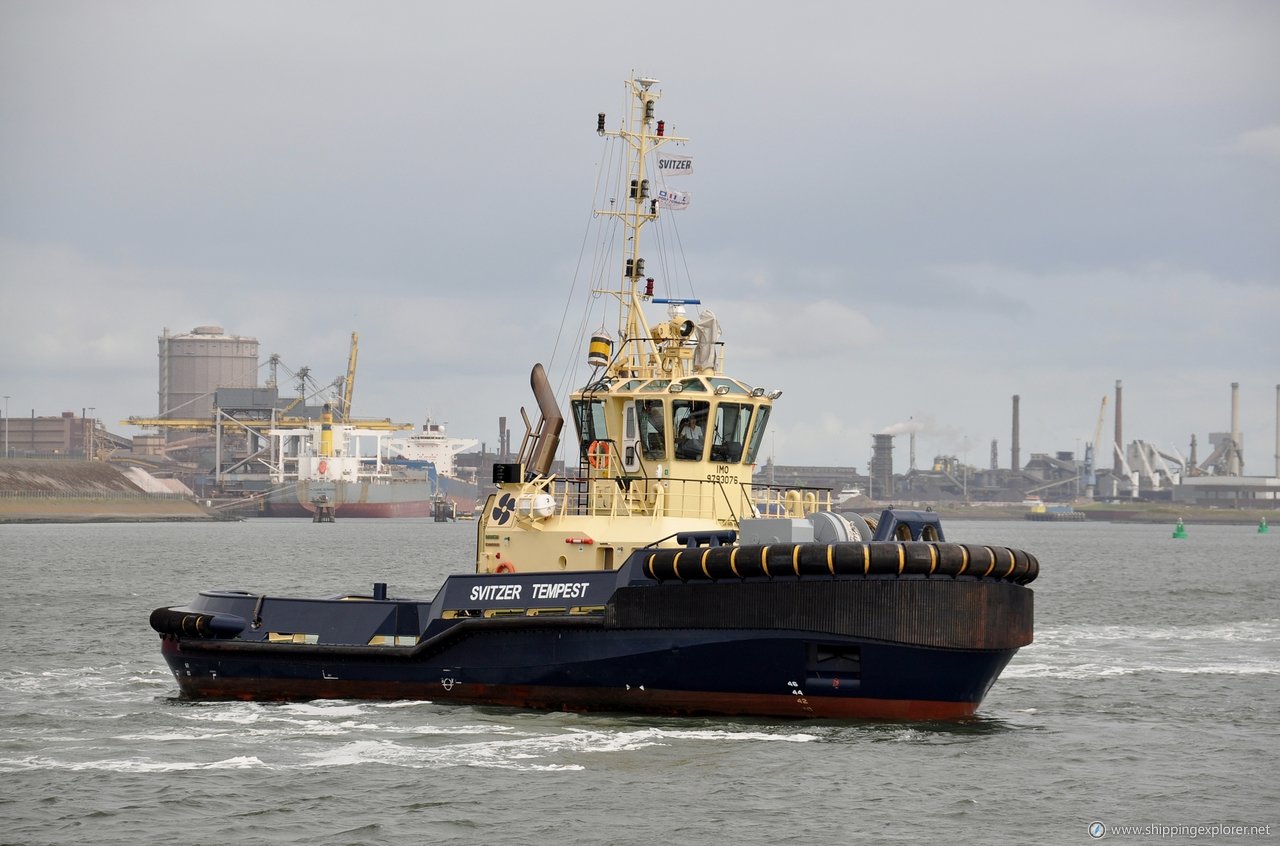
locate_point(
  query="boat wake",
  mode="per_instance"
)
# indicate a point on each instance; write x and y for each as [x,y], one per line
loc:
[1091,651]
[532,752]
[232,736]
[131,765]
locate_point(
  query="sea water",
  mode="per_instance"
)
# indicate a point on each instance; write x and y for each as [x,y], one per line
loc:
[1149,700]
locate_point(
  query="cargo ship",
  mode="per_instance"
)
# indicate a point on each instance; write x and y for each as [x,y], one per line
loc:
[653,577]
[431,447]
[336,470]
[429,453]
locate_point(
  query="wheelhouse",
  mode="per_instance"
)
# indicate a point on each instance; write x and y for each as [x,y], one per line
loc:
[672,422]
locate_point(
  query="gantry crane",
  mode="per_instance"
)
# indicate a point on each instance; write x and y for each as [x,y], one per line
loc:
[282,417]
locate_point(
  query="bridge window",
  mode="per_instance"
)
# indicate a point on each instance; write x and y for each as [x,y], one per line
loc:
[757,434]
[730,431]
[653,428]
[728,385]
[588,416]
[689,418]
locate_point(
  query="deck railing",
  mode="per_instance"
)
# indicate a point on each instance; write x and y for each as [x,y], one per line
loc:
[646,496]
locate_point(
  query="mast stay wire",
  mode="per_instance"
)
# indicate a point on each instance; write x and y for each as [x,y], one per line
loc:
[605,168]
[602,251]
[610,188]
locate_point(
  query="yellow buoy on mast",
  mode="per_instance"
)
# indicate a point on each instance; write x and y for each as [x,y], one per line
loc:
[600,350]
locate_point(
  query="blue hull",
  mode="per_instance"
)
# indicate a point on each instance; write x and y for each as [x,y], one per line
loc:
[858,644]
[687,672]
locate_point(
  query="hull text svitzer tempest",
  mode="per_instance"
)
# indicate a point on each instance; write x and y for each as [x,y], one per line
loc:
[652,576]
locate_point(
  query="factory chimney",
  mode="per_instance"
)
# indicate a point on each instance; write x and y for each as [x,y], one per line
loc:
[1234,462]
[881,467]
[1016,464]
[1278,431]
[1116,468]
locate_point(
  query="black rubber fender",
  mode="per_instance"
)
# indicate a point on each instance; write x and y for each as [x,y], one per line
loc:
[184,623]
[878,559]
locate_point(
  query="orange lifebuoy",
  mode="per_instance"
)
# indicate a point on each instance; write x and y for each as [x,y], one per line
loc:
[598,454]
[505,567]
[323,467]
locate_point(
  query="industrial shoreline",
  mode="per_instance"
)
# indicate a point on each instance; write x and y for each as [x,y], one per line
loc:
[1111,513]
[94,510]
[34,491]
[65,491]
[82,510]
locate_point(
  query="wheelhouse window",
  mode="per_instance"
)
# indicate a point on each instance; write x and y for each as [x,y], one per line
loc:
[726,386]
[651,415]
[588,416]
[730,431]
[689,420]
[757,434]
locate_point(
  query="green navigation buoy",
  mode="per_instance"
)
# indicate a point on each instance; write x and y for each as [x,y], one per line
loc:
[1179,531]
[1263,528]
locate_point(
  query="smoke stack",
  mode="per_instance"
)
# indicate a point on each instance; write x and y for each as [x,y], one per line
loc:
[1115,462]
[1233,459]
[1015,463]
[1278,431]
[882,467]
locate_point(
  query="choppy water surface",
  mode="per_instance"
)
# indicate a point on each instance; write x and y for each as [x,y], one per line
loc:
[1151,697]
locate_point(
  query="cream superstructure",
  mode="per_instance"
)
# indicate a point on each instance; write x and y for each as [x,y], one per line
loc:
[667,442]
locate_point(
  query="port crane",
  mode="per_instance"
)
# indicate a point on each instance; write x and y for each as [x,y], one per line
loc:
[1091,452]
[255,424]
[349,385]
[307,389]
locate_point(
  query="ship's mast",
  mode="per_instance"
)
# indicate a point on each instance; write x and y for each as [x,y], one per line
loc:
[643,134]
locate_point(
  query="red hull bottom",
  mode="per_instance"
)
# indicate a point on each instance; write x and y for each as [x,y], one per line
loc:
[633,700]
[352,509]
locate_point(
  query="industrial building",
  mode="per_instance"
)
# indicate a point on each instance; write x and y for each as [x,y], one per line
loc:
[67,435]
[1140,471]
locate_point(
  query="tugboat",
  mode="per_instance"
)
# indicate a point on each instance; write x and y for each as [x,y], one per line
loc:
[654,577]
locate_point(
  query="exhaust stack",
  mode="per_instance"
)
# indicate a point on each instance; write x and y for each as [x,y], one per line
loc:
[547,434]
[1015,463]
[1116,467]
[881,467]
[1234,462]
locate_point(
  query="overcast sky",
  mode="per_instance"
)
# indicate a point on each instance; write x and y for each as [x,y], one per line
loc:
[903,211]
